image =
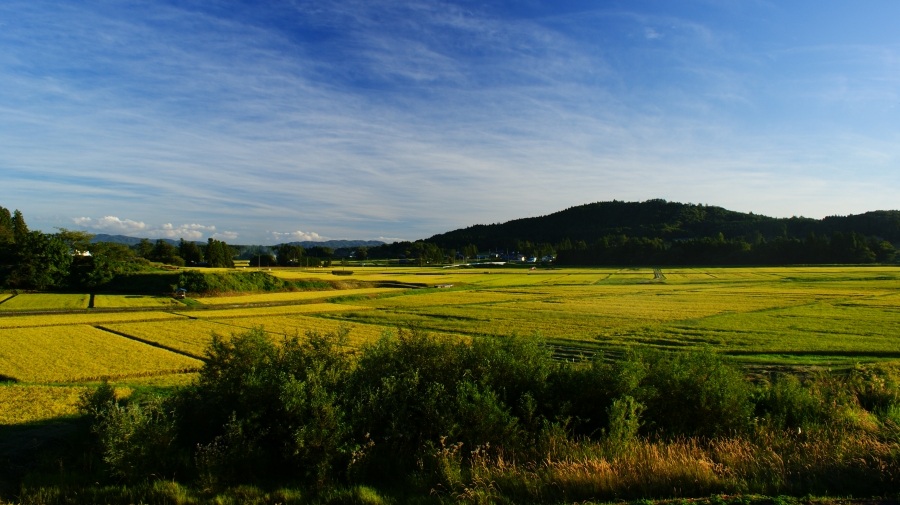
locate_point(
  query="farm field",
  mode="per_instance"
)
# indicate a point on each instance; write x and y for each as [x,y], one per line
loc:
[787,318]
[45,301]
[128,301]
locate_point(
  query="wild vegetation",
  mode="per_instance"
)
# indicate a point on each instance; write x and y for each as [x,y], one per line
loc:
[413,417]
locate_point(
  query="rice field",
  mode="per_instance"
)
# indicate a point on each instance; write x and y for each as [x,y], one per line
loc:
[765,317]
[25,404]
[79,353]
[293,296]
[45,301]
[131,301]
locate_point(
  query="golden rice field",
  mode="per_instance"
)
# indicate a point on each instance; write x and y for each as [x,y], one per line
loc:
[781,317]
[82,317]
[119,301]
[293,296]
[45,301]
[78,353]
[23,404]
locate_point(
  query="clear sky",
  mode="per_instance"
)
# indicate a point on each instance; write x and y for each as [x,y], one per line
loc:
[267,122]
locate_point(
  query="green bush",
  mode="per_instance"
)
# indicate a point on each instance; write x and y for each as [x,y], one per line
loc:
[786,403]
[262,410]
[695,394]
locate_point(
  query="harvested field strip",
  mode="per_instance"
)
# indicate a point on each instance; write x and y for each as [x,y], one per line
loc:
[151,342]
[45,301]
[295,296]
[300,325]
[25,404]
[44,320]
[304,308]
[4,297]
[81,353]
[188,336]
[128,301]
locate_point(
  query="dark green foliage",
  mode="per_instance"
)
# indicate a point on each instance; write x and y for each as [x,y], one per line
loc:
[695,394]
[789,404]
[199,281]
[190,252]
[135,440]
[40,261]
[164,252]
[106,261]
[289,255]
[218,254]
[419,412]
[261,410]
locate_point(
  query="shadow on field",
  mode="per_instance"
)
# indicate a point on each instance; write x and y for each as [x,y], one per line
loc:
[26,447]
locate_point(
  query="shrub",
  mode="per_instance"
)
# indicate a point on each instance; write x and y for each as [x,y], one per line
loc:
[259,410]
[693,394]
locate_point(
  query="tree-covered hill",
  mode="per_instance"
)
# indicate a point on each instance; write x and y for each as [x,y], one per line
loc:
[664,220]
[657,231]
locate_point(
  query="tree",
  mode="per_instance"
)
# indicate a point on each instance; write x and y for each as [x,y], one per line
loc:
[165,252]
[42,261]
[6,227]
[144,248]
[289,254]
[218,254]
[190,252]
[107,259]
[78,241]
[362,253]
[20,229]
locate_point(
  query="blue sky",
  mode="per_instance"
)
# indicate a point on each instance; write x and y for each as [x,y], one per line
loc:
[267,122]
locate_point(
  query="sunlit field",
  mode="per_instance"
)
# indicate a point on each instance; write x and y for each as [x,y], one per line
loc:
[45,301]
[787,318]
[118,301]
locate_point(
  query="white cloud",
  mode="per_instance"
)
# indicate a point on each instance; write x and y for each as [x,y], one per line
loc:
[297,236]
[226,236]
[111,224]
[185,231]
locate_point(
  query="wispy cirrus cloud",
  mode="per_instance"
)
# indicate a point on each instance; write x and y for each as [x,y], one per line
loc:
[363,119]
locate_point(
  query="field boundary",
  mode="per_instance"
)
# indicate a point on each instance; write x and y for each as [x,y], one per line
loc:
[151,343]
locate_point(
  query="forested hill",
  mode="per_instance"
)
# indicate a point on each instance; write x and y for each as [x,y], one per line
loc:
[660,225]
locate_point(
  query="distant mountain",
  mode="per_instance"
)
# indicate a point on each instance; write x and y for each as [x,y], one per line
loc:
[339,244]
[122,239]
[333,244]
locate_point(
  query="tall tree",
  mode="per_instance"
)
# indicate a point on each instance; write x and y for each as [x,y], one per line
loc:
[144,248]
[20,229]
[6,226]
[165,252]
[218,254]
[190,252]
[289,254]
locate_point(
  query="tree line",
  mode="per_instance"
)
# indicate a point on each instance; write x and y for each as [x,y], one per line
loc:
[69,259]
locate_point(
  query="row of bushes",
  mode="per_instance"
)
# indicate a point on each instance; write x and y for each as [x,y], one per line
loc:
[496,416]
